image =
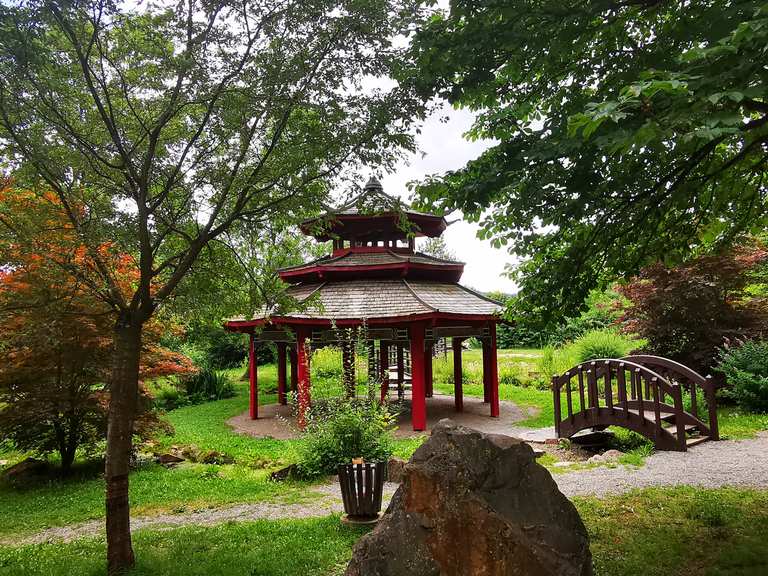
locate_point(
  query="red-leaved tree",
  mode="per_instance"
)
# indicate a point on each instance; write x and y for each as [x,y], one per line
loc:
[57,339]
[685,312]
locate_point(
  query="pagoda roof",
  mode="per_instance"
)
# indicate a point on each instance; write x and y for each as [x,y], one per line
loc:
[378,300]
[373,214]
[371,261]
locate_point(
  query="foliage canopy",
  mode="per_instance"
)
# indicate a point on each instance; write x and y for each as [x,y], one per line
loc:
[626,132]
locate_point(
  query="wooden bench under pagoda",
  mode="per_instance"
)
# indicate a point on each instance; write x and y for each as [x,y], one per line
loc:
[374,276]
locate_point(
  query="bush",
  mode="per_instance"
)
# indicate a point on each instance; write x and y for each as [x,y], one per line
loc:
[338,431]
[745,367]
[603,344]
[208,385]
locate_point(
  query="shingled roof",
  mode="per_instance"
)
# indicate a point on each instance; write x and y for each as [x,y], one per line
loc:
[358,299]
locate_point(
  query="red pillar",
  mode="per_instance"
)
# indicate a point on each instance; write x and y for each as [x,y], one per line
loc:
[253,401]
[281,397]
[428,368]
[418,397]
[302,360]
[486,370]
[494,384]
[384,367]
[294,370]
[458,381]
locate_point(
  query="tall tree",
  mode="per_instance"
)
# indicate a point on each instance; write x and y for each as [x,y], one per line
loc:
[158,126]
[626,131]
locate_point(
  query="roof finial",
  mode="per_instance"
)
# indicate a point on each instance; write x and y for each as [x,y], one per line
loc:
[373,185]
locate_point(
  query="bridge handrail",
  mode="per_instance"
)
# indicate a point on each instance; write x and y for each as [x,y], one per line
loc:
[562,379]
[707,384]
[672,366]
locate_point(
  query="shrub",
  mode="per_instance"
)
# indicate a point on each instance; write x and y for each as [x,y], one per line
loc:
[207,385]
[745,367]
[603,344]
[338,431]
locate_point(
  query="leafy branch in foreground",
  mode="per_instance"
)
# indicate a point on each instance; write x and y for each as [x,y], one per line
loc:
[627,133]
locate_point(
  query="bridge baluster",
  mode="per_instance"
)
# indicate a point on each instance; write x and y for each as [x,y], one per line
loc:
[640,402]
[569,402]
[694,400]
[594,401]
[608,387]
[621,383]
[654,383]
[556,398]
[679,420]
[582,405]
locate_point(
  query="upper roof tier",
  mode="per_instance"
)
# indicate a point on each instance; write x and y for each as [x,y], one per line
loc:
[374,262]
[371,217]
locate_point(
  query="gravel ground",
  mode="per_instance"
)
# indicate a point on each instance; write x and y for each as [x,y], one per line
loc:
[709,465]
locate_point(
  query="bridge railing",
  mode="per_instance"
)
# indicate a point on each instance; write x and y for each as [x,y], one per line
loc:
[691,381]
[624,393]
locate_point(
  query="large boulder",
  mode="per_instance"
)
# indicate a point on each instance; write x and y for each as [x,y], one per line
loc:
[473,504]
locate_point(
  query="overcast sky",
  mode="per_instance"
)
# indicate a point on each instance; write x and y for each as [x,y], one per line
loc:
[443,147]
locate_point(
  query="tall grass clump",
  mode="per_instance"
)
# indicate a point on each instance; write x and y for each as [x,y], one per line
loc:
[604,343]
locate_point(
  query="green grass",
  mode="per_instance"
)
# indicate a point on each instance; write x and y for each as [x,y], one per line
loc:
[736,424]
[680,531]
[155,489]
[290,547]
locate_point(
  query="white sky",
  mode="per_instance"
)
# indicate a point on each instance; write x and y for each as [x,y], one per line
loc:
[443,147]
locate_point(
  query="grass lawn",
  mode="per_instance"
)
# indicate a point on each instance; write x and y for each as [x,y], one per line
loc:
[655,532]
[155,489]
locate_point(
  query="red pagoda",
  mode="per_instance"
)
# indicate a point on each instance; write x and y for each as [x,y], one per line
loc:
[408,300]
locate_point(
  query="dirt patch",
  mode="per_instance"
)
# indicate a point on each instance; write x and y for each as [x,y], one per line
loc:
[277,421]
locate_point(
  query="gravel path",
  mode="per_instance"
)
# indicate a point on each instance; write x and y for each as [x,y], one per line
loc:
[709,465]
[329,503]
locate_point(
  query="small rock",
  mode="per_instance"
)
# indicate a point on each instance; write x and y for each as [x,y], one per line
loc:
[3,462]
[537,453]
[608,456]
[168,459]
[24,469]
[214,457]
[287,473]
[395,469]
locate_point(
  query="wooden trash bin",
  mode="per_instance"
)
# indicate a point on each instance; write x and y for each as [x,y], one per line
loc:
[362,486]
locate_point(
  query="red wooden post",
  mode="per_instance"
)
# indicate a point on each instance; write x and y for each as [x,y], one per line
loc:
[294,370]
[428,368]
[302,358]
[458,381]
[494,366]
[486,370]
[253,401]
[418,397]
[281,397]
[384,366]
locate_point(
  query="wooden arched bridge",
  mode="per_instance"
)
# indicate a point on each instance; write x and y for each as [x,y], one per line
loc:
[661,399]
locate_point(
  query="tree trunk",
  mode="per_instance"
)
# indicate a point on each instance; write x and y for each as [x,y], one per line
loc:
[122,406]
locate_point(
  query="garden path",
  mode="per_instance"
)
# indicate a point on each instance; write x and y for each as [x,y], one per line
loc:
[741,463]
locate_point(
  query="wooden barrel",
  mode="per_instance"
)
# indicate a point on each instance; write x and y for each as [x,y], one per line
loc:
[362,486]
